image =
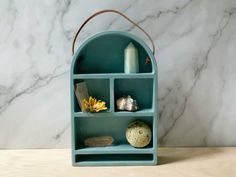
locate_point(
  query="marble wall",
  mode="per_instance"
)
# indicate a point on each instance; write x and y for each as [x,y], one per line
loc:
[195,50]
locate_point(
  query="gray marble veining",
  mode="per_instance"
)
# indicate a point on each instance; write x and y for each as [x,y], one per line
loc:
[195,51]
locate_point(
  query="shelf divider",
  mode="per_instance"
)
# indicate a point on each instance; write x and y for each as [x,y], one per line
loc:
[112,97]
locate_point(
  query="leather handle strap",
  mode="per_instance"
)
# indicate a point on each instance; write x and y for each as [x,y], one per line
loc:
[112,11]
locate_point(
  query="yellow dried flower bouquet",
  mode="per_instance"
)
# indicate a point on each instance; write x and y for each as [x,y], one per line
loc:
[94,105]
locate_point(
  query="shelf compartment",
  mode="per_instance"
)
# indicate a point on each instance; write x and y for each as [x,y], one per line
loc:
[97,88]
[102,55]
[115,149]
[110,126]
[139,89]
[115,158]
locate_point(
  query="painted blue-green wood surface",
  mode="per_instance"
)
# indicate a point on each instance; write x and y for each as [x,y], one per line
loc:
[99,62]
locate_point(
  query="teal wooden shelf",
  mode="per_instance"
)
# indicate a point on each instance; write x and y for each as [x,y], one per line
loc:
[99,62]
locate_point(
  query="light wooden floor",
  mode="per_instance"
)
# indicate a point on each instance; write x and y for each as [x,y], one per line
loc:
[173,162]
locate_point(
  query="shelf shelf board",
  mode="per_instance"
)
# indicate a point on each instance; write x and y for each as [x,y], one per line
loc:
[89,114]
[115,149]
[143,112]
[113,75]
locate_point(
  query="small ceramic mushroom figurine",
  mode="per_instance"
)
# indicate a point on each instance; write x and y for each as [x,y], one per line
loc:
[126,104]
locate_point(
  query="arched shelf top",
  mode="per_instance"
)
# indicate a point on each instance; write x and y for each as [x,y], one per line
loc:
[104,53]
